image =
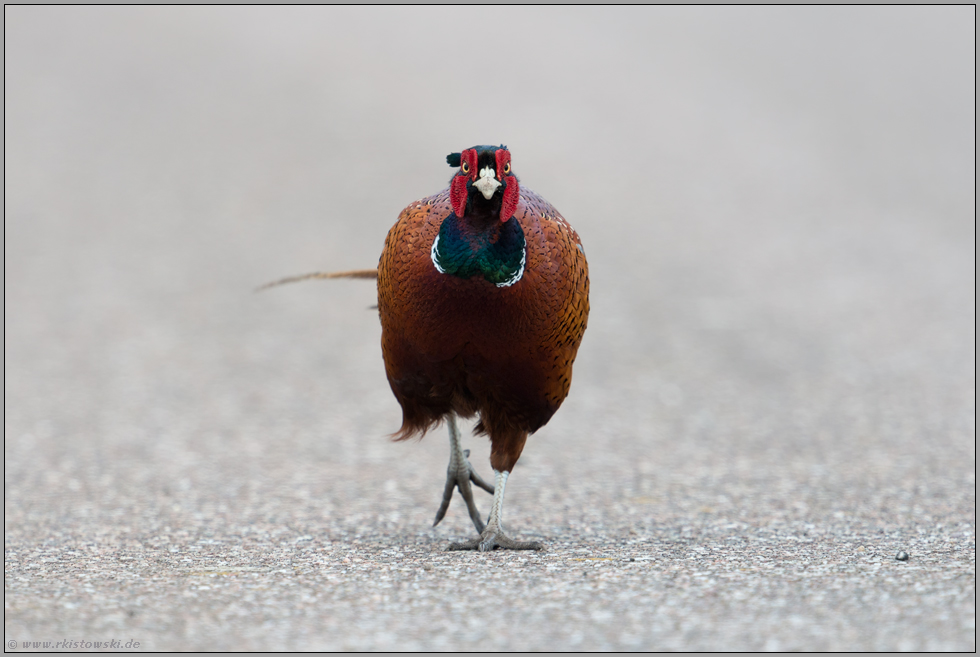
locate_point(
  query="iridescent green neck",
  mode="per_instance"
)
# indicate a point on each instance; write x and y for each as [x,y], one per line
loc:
[496,253]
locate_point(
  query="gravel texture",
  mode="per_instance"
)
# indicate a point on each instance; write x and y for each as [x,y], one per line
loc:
[774,400]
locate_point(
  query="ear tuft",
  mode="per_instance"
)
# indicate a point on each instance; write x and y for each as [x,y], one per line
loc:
[454,159]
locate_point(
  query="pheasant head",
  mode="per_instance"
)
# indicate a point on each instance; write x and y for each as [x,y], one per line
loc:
[484,183]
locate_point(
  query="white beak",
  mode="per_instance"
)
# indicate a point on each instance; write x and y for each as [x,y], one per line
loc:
[487,184]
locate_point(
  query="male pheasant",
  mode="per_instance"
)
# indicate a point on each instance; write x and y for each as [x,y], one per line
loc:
[483,292]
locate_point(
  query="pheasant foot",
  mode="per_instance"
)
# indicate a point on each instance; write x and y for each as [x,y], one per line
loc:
[459,474]
[492,536]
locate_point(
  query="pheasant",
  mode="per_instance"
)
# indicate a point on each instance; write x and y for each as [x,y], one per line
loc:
[483,294]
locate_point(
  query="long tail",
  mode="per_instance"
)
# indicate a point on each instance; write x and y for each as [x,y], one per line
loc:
[354,273]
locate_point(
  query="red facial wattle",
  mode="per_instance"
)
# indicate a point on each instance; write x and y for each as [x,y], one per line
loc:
[457,194]
[512,192]
[457,189]
[503,159]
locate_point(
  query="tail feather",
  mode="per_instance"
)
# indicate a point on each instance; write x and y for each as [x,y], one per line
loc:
[354,273]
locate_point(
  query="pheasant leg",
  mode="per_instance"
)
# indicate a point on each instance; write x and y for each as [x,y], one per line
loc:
[492,536]
[459,474]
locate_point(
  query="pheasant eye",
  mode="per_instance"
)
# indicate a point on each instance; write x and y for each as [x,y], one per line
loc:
[507,168]
[466,167]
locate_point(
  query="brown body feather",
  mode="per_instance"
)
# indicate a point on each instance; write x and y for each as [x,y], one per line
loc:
[466,345]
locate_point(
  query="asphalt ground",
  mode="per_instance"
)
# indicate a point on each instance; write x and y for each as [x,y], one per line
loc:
[775,395]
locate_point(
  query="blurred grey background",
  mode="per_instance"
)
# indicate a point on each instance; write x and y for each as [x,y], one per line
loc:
[775,395]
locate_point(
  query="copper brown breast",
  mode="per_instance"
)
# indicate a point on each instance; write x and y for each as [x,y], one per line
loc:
[470,346]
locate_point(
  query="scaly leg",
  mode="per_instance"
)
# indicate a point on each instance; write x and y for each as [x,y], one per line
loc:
[458,475]
[492,536]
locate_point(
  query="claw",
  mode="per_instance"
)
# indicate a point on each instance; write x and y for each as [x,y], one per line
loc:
[447,497]
[491,539]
